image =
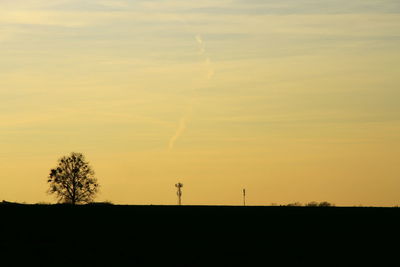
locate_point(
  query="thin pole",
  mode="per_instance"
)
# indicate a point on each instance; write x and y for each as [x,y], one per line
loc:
[244,197]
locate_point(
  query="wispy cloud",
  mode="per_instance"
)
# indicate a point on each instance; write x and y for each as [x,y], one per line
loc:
[179,131]
[210,73]
[206,58]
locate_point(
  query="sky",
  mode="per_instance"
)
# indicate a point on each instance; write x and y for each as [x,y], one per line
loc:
[294,100]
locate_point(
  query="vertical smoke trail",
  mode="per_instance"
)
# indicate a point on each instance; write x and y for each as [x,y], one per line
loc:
[207,61]
[179,131]
[181,128]
[210,73]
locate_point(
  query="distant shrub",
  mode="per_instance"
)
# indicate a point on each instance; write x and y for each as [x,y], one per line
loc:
[107,202]
[295,204]
[321,204]
[9,203]
[312,204]
[43,203]
[325,204]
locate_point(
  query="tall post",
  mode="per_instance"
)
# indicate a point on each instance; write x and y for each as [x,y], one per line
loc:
[244,197]
[179,192]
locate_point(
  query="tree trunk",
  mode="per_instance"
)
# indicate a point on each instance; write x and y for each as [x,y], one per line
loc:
[73,200]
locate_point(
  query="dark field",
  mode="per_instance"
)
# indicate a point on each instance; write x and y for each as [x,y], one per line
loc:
[62,235]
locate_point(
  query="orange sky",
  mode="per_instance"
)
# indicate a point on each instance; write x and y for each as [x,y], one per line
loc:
[294,101]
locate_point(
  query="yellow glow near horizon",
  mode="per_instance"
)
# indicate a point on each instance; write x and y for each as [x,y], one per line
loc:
[292,101]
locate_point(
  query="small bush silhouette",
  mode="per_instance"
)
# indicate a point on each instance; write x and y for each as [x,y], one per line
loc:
[312,204]
[321,204]
[325,204]
[295,204]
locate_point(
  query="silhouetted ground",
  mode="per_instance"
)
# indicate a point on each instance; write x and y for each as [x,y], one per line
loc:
[114,235]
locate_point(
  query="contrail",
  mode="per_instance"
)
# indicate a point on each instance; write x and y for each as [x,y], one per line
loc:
[181,128]
[182,125]
[210,73]
[207,60]
[179,131]
[199,40]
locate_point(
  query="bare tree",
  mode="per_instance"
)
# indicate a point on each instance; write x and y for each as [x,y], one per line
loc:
[73,181]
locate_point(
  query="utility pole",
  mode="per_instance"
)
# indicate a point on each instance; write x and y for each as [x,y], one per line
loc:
[244,197]
[179,192]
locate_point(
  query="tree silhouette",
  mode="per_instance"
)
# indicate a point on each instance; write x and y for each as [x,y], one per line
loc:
[73,181]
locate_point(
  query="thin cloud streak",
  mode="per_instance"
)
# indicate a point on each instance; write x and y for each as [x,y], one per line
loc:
[181,128]
[207,60]
[210,73]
